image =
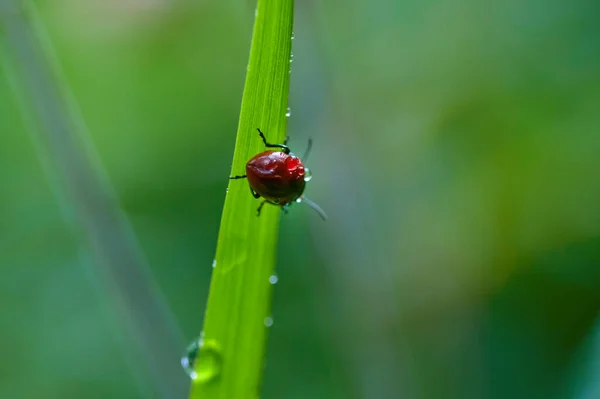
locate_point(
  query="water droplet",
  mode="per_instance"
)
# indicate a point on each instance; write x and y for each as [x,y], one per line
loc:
[188,360]
[256,12]
[288,112]
[293,36]
[273,279]
[202,361]
[268,321]
[214,264]
[307,174]
[291,58]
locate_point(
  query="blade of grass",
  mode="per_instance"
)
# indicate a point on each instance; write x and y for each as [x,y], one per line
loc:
[231,361]
[88,201]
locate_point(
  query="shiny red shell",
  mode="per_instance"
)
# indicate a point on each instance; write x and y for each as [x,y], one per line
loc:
[276,176]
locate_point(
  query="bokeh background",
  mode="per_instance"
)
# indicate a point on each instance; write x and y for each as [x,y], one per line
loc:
[456,152]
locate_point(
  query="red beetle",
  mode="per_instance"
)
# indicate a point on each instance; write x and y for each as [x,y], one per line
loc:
[278,176]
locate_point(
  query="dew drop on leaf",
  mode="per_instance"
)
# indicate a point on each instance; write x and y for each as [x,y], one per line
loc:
[202,361]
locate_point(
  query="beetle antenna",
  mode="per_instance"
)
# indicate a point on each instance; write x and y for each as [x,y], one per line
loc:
[283,147]
[307,152]
[315,207]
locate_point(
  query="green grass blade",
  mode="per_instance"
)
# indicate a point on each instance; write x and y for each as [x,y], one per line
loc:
[89,203]
[230,364]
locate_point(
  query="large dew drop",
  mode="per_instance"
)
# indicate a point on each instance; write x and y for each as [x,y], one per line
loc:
[307,174]
[202,361]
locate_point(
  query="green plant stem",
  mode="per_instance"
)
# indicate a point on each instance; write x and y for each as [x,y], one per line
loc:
[240,292]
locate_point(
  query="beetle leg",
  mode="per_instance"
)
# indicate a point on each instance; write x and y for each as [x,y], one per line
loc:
[254,193]
[285,209]
[283,147]
[260,207]
[237,177]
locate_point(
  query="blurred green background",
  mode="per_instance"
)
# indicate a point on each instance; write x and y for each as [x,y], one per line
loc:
[456,152]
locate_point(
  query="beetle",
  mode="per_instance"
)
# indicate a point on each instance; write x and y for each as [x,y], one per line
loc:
[278,176]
